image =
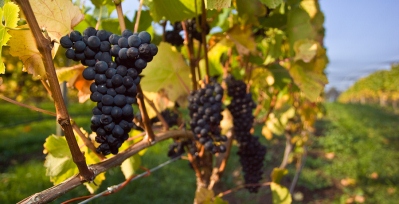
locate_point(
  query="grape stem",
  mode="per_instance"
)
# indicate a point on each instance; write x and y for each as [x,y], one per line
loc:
[136,25]
[203,36]
[188,41]
[28,106]
[44,46]
[121,18]
[159,116]
[221,161]
[75,181]
[144,114]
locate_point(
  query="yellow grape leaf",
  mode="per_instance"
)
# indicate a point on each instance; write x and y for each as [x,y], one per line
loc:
[130,165]
[203,195]
[267,133]
[242,37]
[217,4]
[280,194]
[57,17]
[214,55]
[9,16]
[167,72]
[277,174]
[305,50]
[74,77]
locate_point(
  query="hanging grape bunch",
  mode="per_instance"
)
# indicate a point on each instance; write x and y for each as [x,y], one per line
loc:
[173,36]
[115,80]
[251,151]
[205,106]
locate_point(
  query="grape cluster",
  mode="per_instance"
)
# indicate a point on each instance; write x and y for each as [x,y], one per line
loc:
[251,151]
[177,148]
[193,31]
[251,158]
[173,36]
[171,117]
[115,80]
[205,106]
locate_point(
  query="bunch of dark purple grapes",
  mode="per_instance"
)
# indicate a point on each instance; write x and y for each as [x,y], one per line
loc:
[173,36]
[170,115]
[177,148]
[205,106]
[115,81]
[251,151]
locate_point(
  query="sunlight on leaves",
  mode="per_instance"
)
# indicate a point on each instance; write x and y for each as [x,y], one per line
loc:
[74,77]
[168,72]
[305,50]
[280,194]
[272,3]
[173,10]
[9,16]
[58,17]
[130,165]
[217,4]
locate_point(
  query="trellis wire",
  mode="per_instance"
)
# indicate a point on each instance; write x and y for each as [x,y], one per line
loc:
[115,187]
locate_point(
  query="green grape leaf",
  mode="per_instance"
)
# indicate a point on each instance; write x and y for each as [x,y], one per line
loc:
[214,55]
[299,26]
[9,14]
[112,24]
[280,194]
[130,165]
[145,21]
[173,10]
[204,195]
[305,50]
[272,3]
[277,174]
[59,164]
[57,17]
[219,200]
[168,72]
[250,10]
[74,77]
[95,184]
[217,4]
[243,39]
[272,45]
[310,77]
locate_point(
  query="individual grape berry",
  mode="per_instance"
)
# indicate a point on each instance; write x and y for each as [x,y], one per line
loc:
[110,73]
[70,54]
[145,37]
[89,53]
[66,42]
[106,110]
[140,63]
[123,43]
[89,73]
[75,36]
[126,33]
[107,100]
[123,53]
[134,41]
[96,96]
[144,49]
[90,31]
[101,67]
[100,79]
[94,42]
[153,49]
[117,80]
[79,46]
[79,56]
[106,57]
[132,52]
[102,35]
[174,38]
[105,46]
[113,39]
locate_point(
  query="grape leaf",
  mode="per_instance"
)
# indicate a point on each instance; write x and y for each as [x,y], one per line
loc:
[277,174]
[173,10]
[272,3]
[203,195]
[250,10]
[243,39]
[9,16]
[59,164]
[214,55]
[217,4]
[305,50]
[168,72]
[299,26]
[280,194]
[58,17]
[130,165]
[74,77]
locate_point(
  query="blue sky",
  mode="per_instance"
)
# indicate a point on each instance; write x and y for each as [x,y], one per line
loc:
[361,37]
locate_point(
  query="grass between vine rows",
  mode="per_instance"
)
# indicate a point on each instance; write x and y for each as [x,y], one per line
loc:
[354,156]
